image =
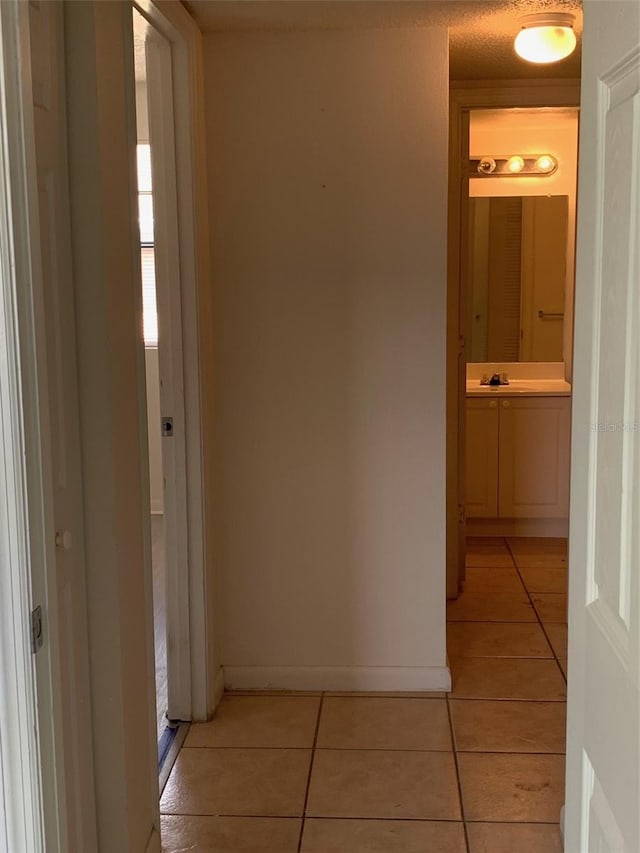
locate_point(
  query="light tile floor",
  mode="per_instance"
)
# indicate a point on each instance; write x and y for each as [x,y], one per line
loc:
[478,771]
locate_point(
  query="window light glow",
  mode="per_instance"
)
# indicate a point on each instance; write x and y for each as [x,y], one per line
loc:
[143,151]
[147,252]
[149,308]
[145,214]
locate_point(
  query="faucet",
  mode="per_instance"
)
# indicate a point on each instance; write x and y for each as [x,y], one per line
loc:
[496,379]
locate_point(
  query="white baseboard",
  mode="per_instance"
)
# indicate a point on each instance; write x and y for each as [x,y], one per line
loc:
[153,845]
[538,527]
[412,679]
[157,507]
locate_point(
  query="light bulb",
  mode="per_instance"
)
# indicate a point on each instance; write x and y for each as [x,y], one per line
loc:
[546,163]
[487,165]
[545,38]
[515,164]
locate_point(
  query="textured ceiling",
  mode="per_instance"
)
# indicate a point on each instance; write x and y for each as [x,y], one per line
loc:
[482,32]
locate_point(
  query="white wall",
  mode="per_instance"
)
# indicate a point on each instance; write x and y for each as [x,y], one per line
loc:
[328,159]
[142,112]
[533,131]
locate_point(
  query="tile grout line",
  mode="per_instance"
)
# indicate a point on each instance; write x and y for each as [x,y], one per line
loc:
[520,701]
[311,763]
[535,610]
[537,621]
[554,657]
[513,565]
[362,819]
[458,780]
[401,750]
[493,621]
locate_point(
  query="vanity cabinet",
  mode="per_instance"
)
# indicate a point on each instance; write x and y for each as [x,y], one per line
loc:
[481,484]
[517,457]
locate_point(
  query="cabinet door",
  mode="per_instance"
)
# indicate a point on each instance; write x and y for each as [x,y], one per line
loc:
[482,458]
[534,457]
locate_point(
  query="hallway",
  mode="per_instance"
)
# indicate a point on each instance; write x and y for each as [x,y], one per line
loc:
[479,770]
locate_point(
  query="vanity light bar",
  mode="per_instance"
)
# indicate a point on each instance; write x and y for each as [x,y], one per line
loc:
[516,166]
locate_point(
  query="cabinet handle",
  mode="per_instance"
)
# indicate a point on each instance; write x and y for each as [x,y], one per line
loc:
[493,404]
[505,404]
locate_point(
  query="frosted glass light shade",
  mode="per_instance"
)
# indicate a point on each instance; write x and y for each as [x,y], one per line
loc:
[546,38]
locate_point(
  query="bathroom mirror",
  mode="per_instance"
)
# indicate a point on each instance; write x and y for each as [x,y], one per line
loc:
[517,268]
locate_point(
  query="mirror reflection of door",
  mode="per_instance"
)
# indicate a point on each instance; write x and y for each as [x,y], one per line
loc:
[544,272]
[517,278]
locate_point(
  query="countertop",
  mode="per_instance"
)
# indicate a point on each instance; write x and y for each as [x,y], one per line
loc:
[521,388]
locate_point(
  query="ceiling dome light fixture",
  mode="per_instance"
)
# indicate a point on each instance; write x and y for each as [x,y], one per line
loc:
[546,37]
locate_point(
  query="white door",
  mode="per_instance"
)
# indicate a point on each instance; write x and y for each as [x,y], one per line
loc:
[171,370]
[58,580]
[603,746]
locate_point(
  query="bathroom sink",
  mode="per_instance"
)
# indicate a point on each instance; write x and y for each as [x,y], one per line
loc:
[521,386]
[531,387]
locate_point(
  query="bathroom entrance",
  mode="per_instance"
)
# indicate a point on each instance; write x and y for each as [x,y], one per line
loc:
[513,193]
[518,250]
[509,481]
[511,294]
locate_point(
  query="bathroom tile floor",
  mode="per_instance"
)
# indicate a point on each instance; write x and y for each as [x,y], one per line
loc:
[480,770]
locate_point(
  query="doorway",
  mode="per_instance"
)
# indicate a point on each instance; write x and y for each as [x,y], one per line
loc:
[511,291]
[152,374]
[562,98]
[172,375]
[518,268]
[78,558]
[507,617]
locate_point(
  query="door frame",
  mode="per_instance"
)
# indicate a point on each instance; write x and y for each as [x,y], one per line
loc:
[29,768]
[464,97]
[195,680]
[176,508]
[21,808]
[43,810]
